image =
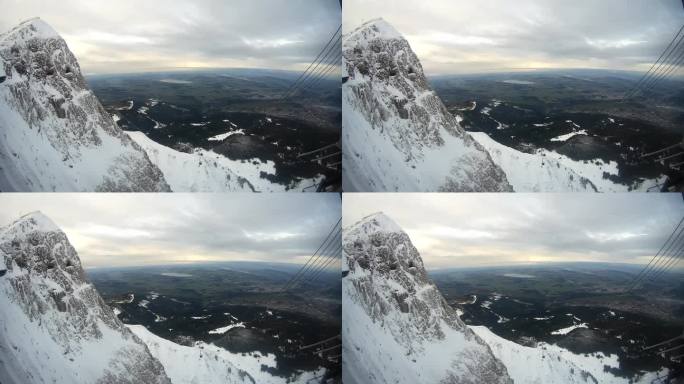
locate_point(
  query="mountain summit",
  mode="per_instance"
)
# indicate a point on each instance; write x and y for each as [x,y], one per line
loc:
[54,133]
[398,135]
[54,326]
[397,327]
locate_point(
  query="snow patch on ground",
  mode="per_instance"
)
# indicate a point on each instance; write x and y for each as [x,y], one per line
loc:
[226,135]
[222,330]
[548,363]
[567,136]
[208,171]
[214,365]
[532,172]
[566,330]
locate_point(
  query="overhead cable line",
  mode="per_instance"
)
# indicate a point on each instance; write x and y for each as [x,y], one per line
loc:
[332,230]
[647,74]
[315,70]
[316,59]
[646,268]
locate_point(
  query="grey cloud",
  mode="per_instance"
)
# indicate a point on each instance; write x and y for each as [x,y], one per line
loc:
[609,34]
[156,229]
[141,35]
[481,229]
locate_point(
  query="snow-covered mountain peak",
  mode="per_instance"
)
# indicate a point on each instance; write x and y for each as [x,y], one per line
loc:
[398,134]
[394,316]
[54,326]
[30,222]
[375,28]
[376,222]
[32,28]
[55,134]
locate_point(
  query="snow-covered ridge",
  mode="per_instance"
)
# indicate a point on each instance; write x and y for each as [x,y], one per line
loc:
[533,172]
[398,134]
[28,223]
[208,171]
[205,363]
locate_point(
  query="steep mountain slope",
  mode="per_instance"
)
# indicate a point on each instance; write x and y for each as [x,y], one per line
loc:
[534,172]
[54,133]
[207,171]
[54,326]
[397,134]
[397,327]
[215,365]
[548,363]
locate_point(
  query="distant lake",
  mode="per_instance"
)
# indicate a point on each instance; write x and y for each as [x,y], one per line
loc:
[173,274]
[521,82]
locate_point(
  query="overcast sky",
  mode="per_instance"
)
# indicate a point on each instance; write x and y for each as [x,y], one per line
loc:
[135,35]
[466,230]
[144,229]
[466,36]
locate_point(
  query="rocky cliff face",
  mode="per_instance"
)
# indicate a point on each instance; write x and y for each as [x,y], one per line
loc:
[54,326]
[397,327]
[54,133]
[398,135]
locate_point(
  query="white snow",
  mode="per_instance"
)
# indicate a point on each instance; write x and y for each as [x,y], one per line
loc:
[222,330]
[569,135]
[550,171]
[385,150]
[565,331]
[547,363]
[531,172]
[41,151]
[209,364]
[226,135]
[208,171]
